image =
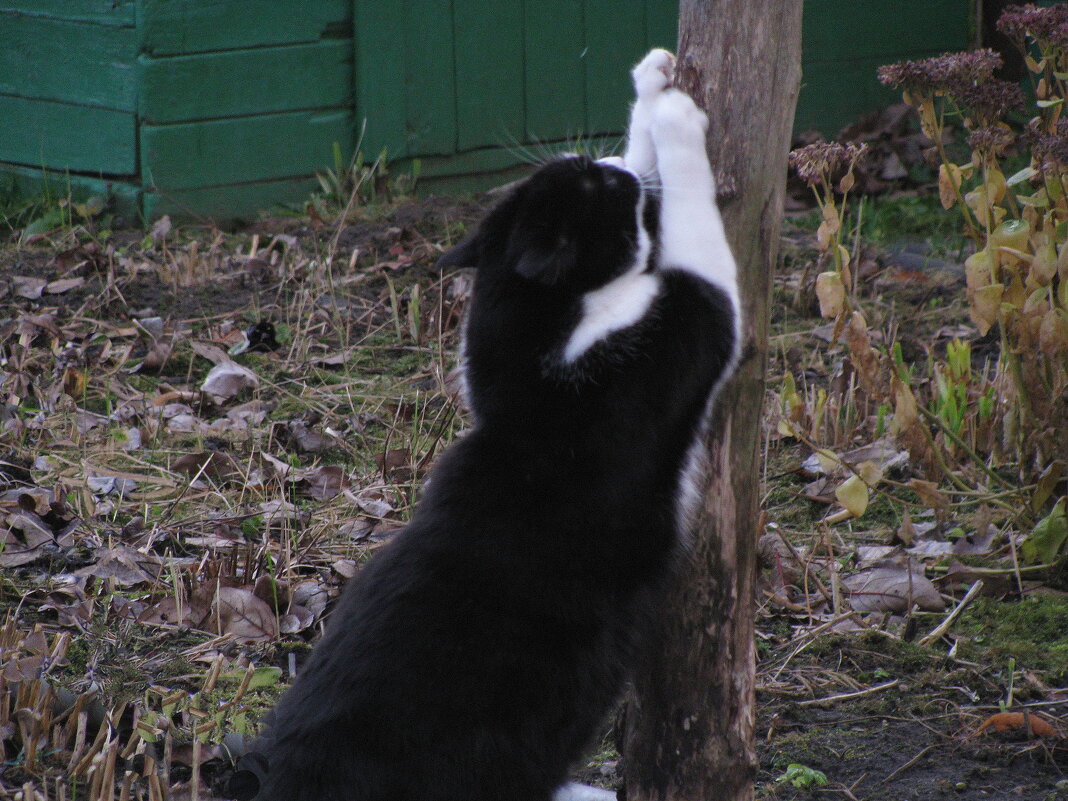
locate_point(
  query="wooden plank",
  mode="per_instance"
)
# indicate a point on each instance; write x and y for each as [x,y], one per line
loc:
[229,202]
[844,29]
[124,198]
[615,38]
[74,62]
[242,150]
[246,82]
[67,137]
[101,12]
[429,79]
[555,46]
[183,27]
[405,85]
[489,72]
[379,39]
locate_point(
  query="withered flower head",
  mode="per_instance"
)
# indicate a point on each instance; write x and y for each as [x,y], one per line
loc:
[1050,146]
[825,161]
[990,99]
[942,73]
[1047,25]
[991,140]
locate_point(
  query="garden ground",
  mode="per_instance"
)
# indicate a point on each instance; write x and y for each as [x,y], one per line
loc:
[205,432]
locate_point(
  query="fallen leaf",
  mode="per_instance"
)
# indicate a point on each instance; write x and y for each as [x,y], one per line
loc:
[311,595]
[888,588]
[239,612]
[883,453]
[215,465]
[297,619]
[853,495]
[121,564]
[306,439]
[373,501]
[26,286]
[167,612]
[323,483]
[929,494]
[227,379]
[63,285]
[24,540]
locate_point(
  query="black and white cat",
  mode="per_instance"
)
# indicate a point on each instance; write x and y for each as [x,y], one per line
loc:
[477,654]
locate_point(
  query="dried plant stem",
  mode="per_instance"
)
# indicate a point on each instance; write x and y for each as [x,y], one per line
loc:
[939,630]
[960,443]
[830,699]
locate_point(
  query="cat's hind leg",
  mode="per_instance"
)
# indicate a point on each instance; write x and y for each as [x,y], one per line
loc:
[651,76]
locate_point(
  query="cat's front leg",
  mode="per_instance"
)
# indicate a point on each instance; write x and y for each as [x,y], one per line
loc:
[691,231]
[651,76]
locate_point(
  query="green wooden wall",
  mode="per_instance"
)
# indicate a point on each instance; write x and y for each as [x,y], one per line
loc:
[222,107]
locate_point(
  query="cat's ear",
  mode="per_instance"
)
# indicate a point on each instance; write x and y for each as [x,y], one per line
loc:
[547,267]
[464,254]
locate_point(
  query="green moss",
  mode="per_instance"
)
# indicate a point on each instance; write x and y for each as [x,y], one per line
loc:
[1033,631]
[872,651]
[818,746]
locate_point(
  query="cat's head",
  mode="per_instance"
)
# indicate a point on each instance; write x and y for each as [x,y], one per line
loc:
[573,226]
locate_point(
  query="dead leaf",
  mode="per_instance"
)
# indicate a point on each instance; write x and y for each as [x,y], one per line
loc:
[297,619]
[929,494]
[167,612]
[883,453]
[215,465]
[227,379]
[63,285]
[373,500]
[121,564]
[311,595]
[853,495]
[306,439]
[271,591]
[24,540]
[70,604]
[161,228]
[239,612]
[346,568]
[888,587]
[28,286]
[323,483]
[831,294]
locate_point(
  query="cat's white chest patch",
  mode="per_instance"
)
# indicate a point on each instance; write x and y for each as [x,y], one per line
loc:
[613,307]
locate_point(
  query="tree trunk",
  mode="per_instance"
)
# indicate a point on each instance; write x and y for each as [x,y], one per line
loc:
[689,732]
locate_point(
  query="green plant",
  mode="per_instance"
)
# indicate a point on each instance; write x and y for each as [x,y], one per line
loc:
[803,777]
[1017,279]
[359,181]
[827,167]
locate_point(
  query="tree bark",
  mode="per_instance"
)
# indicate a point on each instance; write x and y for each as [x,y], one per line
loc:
[689,731]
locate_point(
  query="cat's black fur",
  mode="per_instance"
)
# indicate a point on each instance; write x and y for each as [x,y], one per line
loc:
[476,655]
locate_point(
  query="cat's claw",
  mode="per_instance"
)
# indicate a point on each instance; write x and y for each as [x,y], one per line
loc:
[653,74]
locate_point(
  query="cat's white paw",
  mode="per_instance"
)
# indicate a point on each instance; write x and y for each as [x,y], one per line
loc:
[653,74]
[678,122]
